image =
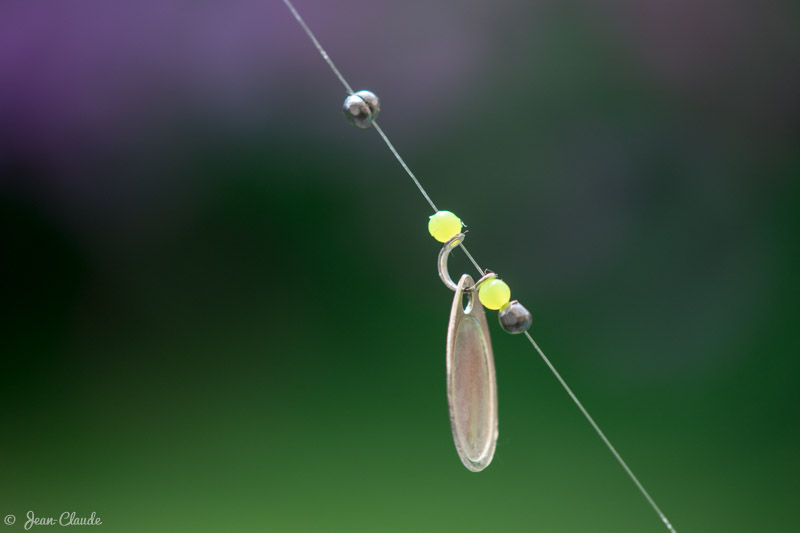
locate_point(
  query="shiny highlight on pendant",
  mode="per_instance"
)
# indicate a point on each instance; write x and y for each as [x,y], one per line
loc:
[471,381]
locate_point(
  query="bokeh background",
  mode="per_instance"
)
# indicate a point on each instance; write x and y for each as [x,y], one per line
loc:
[220,303]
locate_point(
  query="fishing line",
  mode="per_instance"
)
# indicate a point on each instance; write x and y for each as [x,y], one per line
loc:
[466,286]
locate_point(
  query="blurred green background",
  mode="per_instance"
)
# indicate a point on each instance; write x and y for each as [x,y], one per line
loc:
[221,306]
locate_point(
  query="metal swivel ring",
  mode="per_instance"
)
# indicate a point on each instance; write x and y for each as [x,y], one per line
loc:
[444,275]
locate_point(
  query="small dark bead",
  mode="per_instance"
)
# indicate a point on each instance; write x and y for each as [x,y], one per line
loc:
[362,108]
[514,318]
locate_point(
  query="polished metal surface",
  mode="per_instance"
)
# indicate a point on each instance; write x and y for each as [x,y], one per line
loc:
[515,318]
[444,254]
[444,274]
[362,108]
[471,381]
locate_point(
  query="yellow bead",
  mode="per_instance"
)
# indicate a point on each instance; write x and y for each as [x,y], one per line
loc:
[494,294]
[444,225]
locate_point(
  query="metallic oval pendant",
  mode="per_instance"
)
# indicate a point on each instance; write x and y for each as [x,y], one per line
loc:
[471,382]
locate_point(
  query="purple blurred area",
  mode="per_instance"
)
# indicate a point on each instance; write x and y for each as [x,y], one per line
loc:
[81,75]
[70,68]
[75,73]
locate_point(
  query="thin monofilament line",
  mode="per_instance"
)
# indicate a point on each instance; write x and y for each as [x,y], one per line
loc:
[321,50]
[547,362]
[600,434]
[403,164]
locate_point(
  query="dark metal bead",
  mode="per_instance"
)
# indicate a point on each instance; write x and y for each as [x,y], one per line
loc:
[514,318]
[362,108]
